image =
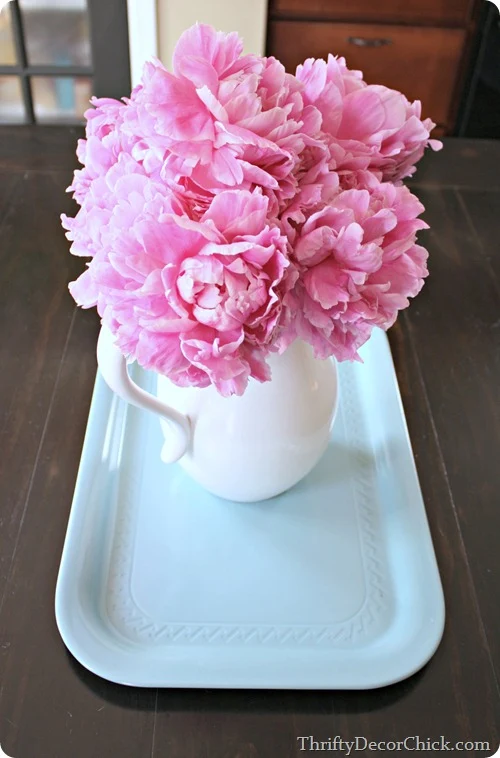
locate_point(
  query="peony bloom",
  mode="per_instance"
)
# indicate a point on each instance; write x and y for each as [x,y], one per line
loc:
[221,120]
[358,264]
[199,301]
[228,207]
[368,127]
[385,122]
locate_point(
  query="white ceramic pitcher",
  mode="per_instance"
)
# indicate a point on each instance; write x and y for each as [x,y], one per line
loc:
[245,448]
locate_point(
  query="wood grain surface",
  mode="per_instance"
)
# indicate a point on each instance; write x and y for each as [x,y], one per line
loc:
[447,354]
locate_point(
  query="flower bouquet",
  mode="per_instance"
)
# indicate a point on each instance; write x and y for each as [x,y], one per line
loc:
[230,208]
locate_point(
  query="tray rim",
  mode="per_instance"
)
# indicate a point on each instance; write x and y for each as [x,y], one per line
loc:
[110,661]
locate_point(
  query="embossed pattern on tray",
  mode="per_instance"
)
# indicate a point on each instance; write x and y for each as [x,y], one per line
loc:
[132,621]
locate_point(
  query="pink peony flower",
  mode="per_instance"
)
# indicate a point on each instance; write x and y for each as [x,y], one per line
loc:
[367,126]
[220,121]
[358,264]
[198,301]
[384,121]
[229,207]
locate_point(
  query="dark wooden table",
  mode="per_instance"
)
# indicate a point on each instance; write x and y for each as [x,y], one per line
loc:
[447,353]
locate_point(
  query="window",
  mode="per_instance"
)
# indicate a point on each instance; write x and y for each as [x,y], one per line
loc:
[54,54]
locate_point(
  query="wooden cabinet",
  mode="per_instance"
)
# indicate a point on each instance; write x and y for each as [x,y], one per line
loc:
[395,11]
[418,47]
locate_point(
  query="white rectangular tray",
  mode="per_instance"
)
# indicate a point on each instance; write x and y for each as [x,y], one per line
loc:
[333,584]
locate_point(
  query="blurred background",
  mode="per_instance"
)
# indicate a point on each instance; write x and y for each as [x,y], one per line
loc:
[55,53]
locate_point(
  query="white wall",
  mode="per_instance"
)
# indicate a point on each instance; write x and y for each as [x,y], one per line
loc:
[142,35]
[247,17]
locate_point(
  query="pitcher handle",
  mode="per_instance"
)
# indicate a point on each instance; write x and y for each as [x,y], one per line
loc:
[113,367]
